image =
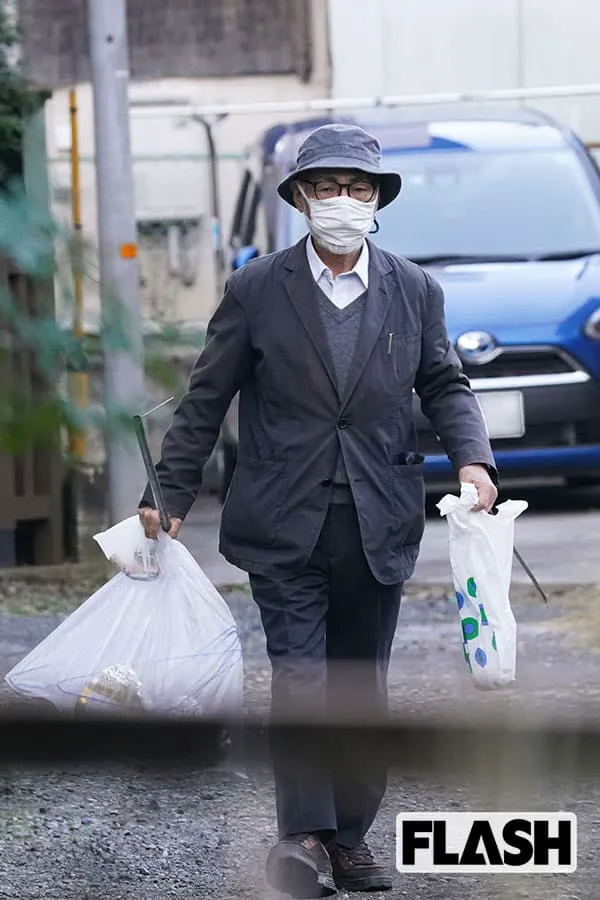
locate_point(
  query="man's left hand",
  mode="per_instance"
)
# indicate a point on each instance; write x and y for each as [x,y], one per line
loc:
[486,489]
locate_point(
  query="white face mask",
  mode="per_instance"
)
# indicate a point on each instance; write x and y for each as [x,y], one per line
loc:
[340,224]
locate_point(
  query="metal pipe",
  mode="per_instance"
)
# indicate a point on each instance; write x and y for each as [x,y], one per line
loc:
[215,204]
[188,111]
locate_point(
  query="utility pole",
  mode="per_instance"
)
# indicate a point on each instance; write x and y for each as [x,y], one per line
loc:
[124,381]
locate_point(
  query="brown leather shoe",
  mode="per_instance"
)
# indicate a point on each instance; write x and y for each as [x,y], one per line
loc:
[300,865]
[356,869]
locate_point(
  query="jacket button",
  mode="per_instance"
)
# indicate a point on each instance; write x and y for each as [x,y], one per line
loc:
[343,423]
[327,482]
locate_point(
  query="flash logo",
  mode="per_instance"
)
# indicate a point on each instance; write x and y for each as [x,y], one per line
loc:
[486,842]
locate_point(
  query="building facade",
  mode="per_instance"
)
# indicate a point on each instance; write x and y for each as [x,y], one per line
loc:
[170,154]
[431,46]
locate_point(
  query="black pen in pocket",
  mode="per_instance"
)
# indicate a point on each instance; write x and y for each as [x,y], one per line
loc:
[390,339]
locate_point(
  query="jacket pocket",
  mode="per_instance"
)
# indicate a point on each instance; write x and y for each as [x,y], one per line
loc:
[408,459]
[253,508]
[408,493]
[403,353]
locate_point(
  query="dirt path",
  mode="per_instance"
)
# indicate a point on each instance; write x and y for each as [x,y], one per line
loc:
[106,835]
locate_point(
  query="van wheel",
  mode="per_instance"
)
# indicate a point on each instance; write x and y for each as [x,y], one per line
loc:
[229,459]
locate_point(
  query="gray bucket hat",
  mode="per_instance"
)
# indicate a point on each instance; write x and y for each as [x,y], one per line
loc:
[342,147]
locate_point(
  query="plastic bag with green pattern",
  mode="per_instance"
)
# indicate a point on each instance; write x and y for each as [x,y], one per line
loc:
[481,557]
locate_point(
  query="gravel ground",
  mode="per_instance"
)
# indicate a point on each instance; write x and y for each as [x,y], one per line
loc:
[90,834]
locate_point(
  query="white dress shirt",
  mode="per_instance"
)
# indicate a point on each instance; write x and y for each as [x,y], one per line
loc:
[346,288]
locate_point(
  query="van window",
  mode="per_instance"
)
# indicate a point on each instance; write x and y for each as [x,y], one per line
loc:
[462,202]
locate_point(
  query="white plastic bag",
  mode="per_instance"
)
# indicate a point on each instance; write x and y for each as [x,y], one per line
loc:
[481,555]
[127,547]
[166,645]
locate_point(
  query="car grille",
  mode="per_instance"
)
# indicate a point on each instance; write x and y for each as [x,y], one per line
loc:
[513,363]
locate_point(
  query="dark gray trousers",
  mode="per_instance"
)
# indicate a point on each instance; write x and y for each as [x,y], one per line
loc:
[329,631]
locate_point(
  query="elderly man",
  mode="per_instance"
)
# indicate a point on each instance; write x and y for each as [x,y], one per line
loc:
[325,342]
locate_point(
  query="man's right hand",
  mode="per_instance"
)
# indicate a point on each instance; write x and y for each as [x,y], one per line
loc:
[151,522]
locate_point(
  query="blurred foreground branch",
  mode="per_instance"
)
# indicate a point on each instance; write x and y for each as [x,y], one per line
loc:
[29,239]
[424,747]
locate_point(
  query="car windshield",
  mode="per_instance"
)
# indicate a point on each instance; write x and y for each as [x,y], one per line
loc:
[508,204]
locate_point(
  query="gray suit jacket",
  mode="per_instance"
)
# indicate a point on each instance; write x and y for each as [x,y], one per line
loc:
[266,340]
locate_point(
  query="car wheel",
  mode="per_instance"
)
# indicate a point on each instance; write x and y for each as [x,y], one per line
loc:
[229,458]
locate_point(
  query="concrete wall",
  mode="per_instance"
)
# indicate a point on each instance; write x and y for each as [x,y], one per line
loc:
[171,172]
[418,46]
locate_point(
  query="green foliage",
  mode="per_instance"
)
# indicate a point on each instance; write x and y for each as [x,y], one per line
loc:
[29,239]
[42,412]
[8,34]
[17,101]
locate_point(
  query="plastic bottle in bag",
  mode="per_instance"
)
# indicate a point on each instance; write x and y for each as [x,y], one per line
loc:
[116,689]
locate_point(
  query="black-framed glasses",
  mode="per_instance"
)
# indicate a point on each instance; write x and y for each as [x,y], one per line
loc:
[326,188]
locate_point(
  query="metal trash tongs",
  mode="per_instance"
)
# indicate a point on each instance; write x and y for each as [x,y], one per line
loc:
[157,493]
[530,575]
[528,571]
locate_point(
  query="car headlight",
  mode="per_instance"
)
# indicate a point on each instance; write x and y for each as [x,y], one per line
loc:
[592,326]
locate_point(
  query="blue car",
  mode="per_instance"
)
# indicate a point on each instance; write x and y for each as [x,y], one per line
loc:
[503,208]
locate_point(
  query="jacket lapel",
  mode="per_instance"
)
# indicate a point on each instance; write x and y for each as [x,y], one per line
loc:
[376,309]
[301,290]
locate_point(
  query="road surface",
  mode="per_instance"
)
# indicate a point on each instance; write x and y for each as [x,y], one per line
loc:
[90,832]
[134,832]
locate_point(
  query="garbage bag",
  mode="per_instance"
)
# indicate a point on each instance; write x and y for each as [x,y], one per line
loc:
[158,640]
[481,557]
[128,548]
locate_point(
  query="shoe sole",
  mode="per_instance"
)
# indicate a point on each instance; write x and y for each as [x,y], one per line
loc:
[291,872]
[366,884]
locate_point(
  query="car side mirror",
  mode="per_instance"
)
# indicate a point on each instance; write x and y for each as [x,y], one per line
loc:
[244,255]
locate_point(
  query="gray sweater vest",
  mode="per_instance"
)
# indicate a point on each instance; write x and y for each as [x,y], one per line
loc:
[342,327]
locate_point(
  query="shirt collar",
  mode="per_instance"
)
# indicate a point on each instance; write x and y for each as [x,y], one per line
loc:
[318,267]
